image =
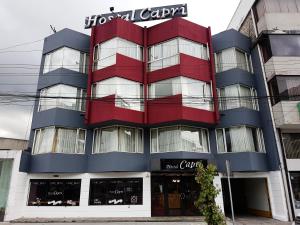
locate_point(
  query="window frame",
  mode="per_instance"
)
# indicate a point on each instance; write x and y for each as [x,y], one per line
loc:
[136,129]
[33,152]
[83,59]
[248,60]
[79,102]
[223,101]
[97,52]
[258,133]
[180,126]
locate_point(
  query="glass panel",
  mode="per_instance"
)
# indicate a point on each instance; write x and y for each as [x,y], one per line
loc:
[45,142]
[193,140]
[71,59]
[56,59]
[127,139]
[170,48]
[295,180]
[220,140]
[65,141]
[80,141]
[241,60]
[246,97]
[54,193]
[165,88]
[118,191]
[154,147]
[109,139]
[232,97]
[47,63]
[292,145]
[169,139]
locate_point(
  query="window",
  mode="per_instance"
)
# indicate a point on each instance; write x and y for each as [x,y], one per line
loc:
[233,58]
[118,139]
[291,144]
[295,180]
[129,94]
[117,191]
[59,140]
[62,96]
[236,96]
[167,53]
[179,138]
[66,58]
[284,88]
[195,93]
[105,53]
[54,192]
[280,45]
[240,139]
[276,6]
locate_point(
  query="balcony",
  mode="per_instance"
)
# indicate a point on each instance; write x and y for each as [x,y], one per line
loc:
[173,108]
[285,65]
[287,114]
[281,21]
[112,108]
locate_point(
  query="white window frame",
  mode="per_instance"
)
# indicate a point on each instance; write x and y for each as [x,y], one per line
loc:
[259,135]
[117,127]
[96,52]
[55,133]
[80,100]
[179,128]
[223,102]
[84,66]
[235,49]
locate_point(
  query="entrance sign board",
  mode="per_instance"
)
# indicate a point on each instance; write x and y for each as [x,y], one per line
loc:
[139,15]
[181,164]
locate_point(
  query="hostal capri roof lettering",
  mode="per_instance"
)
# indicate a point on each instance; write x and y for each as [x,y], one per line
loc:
[139,15]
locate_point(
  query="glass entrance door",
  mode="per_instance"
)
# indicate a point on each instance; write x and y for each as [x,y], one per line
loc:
[174,195]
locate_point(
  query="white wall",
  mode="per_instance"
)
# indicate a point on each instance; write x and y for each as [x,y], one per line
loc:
[19,187]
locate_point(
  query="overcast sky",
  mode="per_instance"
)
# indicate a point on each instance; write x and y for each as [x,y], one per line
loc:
[28,21]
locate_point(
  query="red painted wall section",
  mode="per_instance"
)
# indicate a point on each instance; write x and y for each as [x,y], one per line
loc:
[174,28]
[189,66]
[170,109]
[119,28]
[125,67]
[104,109]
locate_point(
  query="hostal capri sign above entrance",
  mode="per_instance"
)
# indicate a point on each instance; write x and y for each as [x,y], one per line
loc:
[139,15]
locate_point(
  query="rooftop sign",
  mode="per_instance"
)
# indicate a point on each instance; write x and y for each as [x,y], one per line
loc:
[139,15]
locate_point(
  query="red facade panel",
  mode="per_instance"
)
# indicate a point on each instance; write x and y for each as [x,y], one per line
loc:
[125,67]
[188,66]
[177,27]
[104,110]
[170,109]
[118,28]
[161,110]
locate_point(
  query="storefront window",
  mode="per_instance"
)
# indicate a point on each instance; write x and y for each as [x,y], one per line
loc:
[179,138]
[59,140]
[240,139]
[118,191]
[54,192]
[105,53]
[284,88]
[167,53]
[195,93]
[62,96]
[295,180]
[66,58]
[291,143]
[118,139]
[236,96]
[128,94]
[233,58]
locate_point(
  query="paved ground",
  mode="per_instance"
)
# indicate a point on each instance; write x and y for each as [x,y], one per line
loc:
[239,221]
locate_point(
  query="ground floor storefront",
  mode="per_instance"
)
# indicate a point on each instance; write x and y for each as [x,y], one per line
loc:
[165,193]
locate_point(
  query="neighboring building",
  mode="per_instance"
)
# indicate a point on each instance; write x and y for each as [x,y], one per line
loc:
[10,154]
[273,26]
[151,115]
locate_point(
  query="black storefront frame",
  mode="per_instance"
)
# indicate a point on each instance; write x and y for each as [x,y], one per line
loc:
[171,171]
